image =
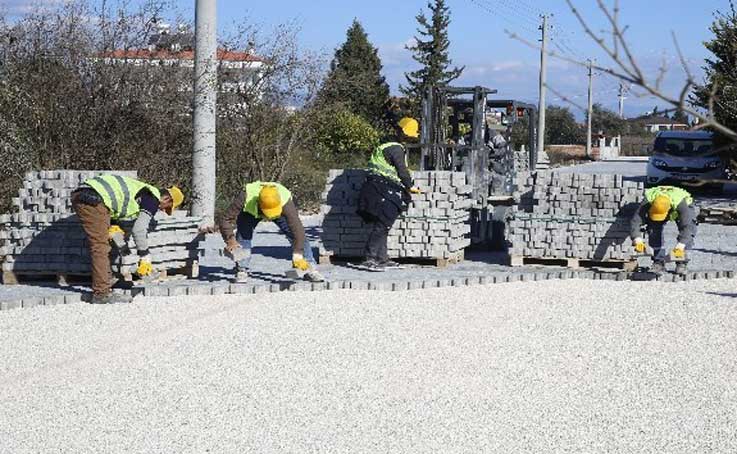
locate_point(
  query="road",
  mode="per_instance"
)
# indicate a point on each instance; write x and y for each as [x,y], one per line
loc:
[568,366]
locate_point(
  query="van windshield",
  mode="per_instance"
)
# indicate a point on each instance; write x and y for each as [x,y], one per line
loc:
[682,147]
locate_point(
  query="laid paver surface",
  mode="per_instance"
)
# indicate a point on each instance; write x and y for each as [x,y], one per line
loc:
[559,366]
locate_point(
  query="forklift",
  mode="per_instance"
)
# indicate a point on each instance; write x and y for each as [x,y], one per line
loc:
[463,130]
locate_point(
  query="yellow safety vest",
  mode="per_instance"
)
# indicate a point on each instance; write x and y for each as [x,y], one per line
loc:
[119,194]
[378,164]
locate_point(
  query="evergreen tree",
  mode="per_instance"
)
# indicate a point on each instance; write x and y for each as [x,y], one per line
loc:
[355,78]
[431,51]
[721,71]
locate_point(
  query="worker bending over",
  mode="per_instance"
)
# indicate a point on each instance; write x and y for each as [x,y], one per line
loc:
[272,202]
[386,193]
[105,199]
[663,204]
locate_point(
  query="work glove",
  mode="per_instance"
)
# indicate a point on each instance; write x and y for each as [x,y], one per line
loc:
[299,262]
[680,251]
[639,245]
[145,267]
[415,190]
[116,236]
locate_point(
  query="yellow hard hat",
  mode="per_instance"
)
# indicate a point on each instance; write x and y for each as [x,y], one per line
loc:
[269,202]
[177,198]
[410,127]
[660,208]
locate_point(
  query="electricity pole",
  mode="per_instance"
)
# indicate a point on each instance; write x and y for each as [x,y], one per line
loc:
[621,100]
[205,109]
[591,108]
[543,87]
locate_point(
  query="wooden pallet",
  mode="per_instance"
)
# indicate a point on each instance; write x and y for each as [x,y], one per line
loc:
[625,265]
[191,271]
[330,259]
[61,279]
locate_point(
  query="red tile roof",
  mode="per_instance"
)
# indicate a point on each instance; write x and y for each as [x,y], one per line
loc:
[145,54]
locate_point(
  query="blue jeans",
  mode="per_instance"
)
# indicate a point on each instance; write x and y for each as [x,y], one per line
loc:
[246,225]
[655,238]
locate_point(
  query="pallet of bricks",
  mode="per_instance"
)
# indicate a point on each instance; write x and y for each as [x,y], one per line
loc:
[573,220]
[44,238]
[434,228]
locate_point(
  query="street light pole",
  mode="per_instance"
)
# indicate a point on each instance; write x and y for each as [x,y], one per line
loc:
[205,110]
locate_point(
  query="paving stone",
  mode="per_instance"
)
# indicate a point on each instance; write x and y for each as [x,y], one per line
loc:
[31,301]
[8,305]
[178,290]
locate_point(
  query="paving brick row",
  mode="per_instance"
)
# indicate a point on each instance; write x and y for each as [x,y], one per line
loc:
[224,288]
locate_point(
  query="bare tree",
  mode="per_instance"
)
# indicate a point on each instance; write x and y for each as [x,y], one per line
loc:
[624,65]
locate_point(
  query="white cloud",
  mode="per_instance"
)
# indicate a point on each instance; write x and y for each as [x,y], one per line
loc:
[15,8]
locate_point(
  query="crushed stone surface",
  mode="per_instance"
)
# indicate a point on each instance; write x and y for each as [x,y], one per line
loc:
[558,366]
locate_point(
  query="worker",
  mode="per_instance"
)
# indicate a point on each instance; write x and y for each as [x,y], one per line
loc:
[104,200]
[272,202]
[663,204]
[386,193]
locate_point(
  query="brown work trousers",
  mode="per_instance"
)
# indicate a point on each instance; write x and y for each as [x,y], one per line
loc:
[95,221]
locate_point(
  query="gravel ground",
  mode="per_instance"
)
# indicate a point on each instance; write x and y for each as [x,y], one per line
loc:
[565,366]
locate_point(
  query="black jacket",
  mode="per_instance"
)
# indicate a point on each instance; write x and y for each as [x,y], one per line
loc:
[382,199]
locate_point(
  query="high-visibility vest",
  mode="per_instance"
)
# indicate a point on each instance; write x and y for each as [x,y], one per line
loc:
[676,196]
[378,164]
[118,193]
[250,205]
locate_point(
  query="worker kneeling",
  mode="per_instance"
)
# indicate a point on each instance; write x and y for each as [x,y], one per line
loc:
[105,199]
[663,204]
[272,202]
[386,193]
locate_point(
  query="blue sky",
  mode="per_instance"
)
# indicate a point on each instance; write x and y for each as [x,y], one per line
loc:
[479,42]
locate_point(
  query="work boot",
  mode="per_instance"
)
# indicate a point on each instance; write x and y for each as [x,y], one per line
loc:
[371,265]
[313,276]
[681,268]
[658,268]
[389,264]
[111,298]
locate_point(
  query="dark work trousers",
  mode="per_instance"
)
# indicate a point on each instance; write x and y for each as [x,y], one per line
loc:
[246,224]
[655,240]
[376,248]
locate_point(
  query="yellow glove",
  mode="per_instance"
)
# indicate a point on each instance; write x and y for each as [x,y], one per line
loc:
[639,245]
[114,230]
[299,262]
[415,190]
[680,251]
[144,266]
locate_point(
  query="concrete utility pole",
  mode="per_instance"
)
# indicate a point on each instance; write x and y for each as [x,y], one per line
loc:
[543,87]
[621,100]
[591,108]
[205,108]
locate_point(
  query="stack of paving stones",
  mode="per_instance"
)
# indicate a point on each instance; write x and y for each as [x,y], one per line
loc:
[435,226]
[46,238]
[573,216]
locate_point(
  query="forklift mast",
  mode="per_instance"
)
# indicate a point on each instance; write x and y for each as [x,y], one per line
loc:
[490,165]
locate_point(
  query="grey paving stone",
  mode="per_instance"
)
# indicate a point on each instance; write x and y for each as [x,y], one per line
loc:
[178,290]
[31,301]
[8,305]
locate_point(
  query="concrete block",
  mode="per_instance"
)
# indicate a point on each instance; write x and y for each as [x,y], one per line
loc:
[200,289]
[241,288]
[320,286]
[72,298]
[32,301]
[8,305]
[218,289]
[155,290]
[53,300]
[178,290]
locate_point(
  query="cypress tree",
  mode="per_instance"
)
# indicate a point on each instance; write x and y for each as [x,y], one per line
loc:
[355,78]
[431,51]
